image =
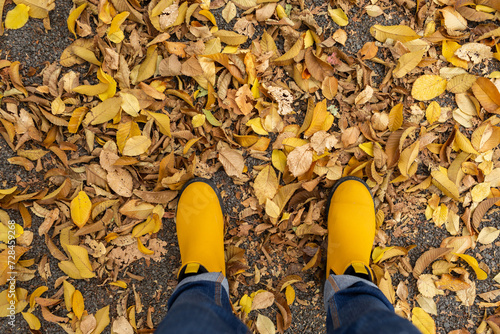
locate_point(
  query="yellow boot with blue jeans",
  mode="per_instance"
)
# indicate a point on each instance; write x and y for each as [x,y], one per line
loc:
[354,304]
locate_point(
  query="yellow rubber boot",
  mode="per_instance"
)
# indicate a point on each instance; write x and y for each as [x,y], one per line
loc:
[200,228]
[351,228]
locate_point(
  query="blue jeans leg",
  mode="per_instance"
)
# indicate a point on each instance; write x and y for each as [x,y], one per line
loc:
[355,305]
[200,304]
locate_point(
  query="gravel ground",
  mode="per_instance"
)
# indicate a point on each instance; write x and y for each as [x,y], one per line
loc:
[33,47]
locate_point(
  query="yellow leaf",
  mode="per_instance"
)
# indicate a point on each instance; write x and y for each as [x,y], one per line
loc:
[17,17]
[428,87]
[279,160]
[464,143]
[230,37]
[143,248]
[448,51]
[396,117]
[80,209]
[256,124]
[37,293]
[104,111]
[398,33]
[126,131]
[70,269]
[407,158]
[80,258]
[144,228]
[78,304]
[209,16]
[115,35]
[481,275]
[440,215]
[102,319]
[73,16]
[338,16]
[290,295]
[91,90]
[265,184]
[319,119]
[136,145]
[109,81]
[433,112]
[211,118]
[246,303]
[198,120]
[272,209]
[440,180]
[423,321]
[83,53]
[148,67]
[32,320]
[480,191]
[120,284]
[69,290]
[163,122]
[287,58]
[76,119]
[408,62]
[367,148]
[189,144]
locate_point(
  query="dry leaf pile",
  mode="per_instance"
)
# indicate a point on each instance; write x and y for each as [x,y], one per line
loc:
[275,102]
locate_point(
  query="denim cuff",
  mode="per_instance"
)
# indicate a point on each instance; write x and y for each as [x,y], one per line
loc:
[335,283]
[210,277]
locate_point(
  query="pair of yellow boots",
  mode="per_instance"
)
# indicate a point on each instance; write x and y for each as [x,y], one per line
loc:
[351,228]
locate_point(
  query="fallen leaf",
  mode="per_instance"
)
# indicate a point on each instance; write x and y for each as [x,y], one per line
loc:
[17,17]
[80,209]
[264,325]
[423,321]
[427,87]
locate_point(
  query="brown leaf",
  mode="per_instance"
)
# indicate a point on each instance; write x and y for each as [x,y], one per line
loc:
[481,210]
[448,282]
[300,159]
[318,68]
[232,161]
[368,51]
[191,67]
[48,222]
[427,258]
[487,94]
[262,300]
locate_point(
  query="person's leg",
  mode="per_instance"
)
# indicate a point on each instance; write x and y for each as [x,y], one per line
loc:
[200,302]
[353,303]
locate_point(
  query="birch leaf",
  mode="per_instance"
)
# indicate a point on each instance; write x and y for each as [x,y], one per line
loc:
[408,62]
[32,320]
[80,209]
[265,184]
[80,258]
[433,112]
[73,16]
[480,273]
[136,145]
[17,17]
[428,87]
[396,117]
[338,16]
[423,321]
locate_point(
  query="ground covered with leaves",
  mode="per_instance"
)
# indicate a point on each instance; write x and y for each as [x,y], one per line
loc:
[108,107]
